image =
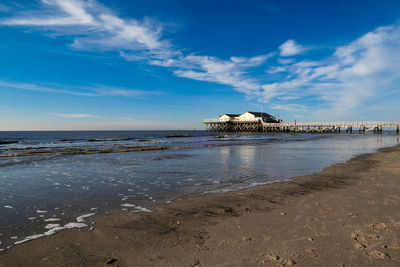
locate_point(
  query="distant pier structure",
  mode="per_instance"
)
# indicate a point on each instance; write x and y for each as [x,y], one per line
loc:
[264,122]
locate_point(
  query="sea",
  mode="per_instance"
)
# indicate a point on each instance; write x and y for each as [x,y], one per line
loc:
[51,181]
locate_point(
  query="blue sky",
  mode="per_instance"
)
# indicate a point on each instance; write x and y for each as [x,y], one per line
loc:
[168,64]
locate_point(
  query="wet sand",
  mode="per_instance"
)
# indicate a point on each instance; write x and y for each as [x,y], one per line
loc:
[348,214]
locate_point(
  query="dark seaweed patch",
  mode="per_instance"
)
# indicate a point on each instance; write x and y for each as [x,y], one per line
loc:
[109,139]
[176,156]
[6,142]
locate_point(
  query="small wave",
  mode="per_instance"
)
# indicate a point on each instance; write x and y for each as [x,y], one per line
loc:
[7,142]
[109,139]
[116,150]
[51,231]
[82,152]
[178,135]
[46,151]
[70,140]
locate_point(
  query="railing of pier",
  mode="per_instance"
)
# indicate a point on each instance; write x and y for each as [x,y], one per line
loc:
[355,124]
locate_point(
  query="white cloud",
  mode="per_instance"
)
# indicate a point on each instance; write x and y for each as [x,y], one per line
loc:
[39,88]
[275,69]
[290,48]
[289,107]
[95,91]
[354,75]
[71,12]
[211,69]
[252,61]
[285,61]
[73,115]
[101,90]
[93,26]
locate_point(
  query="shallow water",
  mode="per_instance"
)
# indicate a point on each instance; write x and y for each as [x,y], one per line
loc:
[49,179]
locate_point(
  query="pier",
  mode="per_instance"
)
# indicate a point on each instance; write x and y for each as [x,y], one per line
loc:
[259,125]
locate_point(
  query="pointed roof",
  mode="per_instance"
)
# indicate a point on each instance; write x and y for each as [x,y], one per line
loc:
[231,115]
[260,114]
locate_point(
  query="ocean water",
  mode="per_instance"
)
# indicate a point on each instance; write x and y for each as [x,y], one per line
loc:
[50,181]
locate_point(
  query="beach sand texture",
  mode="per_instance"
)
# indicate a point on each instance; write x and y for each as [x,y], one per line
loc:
[346,215]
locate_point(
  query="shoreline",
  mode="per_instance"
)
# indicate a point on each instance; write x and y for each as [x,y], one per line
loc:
[273,224]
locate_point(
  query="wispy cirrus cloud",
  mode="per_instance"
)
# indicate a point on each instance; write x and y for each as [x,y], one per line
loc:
[92,26]
[94,91]
[70,13]
[40,88]
[101,90]
[211,69]
[72,115]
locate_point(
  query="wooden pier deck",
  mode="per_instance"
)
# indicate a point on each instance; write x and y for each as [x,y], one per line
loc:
[301,127]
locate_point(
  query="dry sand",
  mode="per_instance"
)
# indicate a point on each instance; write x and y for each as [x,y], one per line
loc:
[348,214]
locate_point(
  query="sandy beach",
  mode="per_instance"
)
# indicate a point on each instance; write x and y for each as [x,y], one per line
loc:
[346,215]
